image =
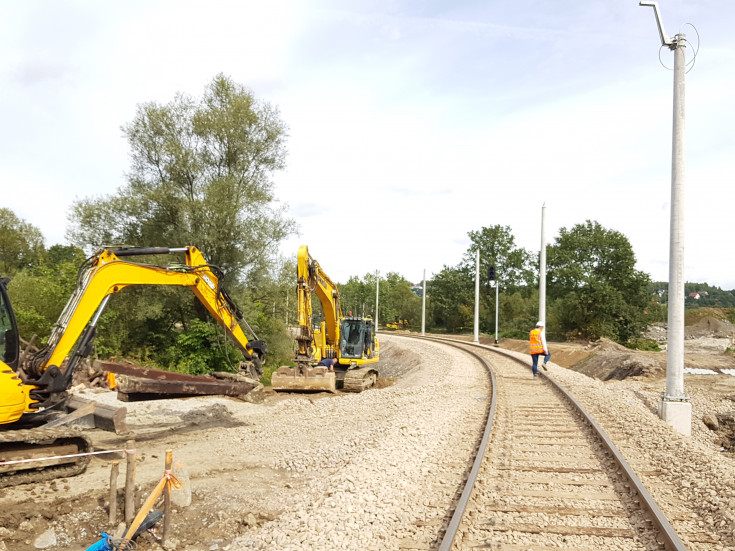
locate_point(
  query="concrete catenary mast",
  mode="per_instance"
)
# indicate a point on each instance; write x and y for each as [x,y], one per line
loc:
[675,407]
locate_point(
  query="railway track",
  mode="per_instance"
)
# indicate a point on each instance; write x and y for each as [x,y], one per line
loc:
[547,477]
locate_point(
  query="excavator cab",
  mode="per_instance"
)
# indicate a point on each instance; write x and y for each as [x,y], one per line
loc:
[357,338]
[9,341]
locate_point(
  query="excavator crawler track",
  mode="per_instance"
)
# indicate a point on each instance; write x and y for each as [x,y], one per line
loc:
[357,380]
[42,443]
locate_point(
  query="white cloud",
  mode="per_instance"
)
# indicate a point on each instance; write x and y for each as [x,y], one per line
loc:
[410,125]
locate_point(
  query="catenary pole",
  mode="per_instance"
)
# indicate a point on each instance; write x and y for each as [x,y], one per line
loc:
[423,307]
[377,295]
[477,297]
[675,406]
[497,286]
[542,269]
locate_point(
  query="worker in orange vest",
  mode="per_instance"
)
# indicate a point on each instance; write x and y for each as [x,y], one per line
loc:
[537,342]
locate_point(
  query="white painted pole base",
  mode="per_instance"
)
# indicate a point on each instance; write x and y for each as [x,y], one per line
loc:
[678,414]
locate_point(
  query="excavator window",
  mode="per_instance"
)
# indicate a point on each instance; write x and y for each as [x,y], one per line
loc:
[352,338]
[8,331]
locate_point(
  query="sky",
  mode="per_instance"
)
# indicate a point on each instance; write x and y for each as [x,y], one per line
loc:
[410,124]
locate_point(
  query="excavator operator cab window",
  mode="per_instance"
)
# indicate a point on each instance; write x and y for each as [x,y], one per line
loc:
[352,338]
[9,342]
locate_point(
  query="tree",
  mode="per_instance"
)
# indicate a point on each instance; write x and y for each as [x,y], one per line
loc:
[452,298]
[39,294]
[514,271]
[513,265]
[21,243]
[397,300]
[592,277]
[200,175]
[358,295]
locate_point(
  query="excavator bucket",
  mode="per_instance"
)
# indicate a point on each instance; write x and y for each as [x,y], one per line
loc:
[312,379]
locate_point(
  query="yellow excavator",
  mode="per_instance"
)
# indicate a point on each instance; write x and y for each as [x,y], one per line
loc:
[32,388]
[398,324]
[349,340]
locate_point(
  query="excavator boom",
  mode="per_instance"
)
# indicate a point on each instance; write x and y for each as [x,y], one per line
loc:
[348,340]
[41,380]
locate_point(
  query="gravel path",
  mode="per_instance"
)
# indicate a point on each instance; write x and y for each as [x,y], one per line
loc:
[377,470]
[381,467]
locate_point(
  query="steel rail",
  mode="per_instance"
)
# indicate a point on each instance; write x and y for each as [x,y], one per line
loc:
[671,540]
[451,531]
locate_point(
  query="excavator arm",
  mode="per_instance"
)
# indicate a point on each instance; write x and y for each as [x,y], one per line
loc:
[106,273]
[41,380]
[311,278]
[349,340]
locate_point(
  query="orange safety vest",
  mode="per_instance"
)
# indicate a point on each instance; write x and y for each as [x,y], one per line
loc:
[537,345]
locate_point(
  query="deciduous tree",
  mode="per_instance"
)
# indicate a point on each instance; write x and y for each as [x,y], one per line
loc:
[21,243]
[592,277]
[201,175]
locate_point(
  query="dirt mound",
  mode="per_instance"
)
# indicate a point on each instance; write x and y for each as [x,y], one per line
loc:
[609,360]
[711,327]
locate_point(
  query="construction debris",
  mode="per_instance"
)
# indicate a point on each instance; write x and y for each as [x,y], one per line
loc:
[136,383]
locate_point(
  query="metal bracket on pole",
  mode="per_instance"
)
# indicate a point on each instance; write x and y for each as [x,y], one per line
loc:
[661,31]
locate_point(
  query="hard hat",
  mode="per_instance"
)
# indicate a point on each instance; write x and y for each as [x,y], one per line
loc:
[540,324]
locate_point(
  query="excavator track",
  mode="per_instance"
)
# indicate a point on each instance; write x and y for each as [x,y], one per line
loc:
[42,443]
[357,380]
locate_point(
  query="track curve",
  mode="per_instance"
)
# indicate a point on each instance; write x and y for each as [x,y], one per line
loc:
[550,477]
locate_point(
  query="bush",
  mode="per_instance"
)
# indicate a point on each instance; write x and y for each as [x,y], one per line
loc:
[203,348]
[648,345]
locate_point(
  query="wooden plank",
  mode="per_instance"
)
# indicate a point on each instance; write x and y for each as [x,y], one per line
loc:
[563,511]
[63,419]
[148,373]
[533,478]
[582,496]
[599,531]
[548,469]
[133,386]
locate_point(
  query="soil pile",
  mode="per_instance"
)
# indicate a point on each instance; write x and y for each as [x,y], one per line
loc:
[608,360]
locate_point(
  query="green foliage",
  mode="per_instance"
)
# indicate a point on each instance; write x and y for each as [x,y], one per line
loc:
[709,296]
[201,175]
[358,295]
[643,344]
[452,303]
[39,294]
[202,348]
[518,313]
[519,334]
[397,299]
[514,266]
[595,288]
[21,243]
